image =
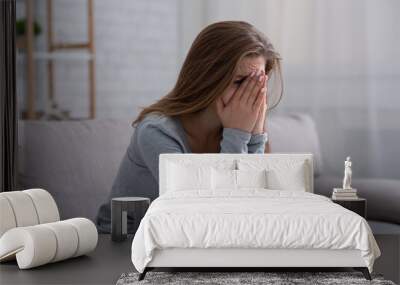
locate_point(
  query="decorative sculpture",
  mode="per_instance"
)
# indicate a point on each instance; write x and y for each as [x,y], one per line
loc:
[347,174]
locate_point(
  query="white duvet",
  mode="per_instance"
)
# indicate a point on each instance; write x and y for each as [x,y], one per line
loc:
[252,218]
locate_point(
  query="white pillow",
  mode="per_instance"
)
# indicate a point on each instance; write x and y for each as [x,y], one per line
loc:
[183,177]
[228,179]
[282,174]
[292,179]
[251,178]
[224,179]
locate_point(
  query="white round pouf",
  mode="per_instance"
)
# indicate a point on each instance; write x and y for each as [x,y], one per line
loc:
[46,207]
[67,240]
[32,246]
[40,244]
[87,233]
[23,208]
[7,216]
[30,230]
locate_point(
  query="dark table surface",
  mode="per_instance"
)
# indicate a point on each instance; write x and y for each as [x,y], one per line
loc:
[102,266]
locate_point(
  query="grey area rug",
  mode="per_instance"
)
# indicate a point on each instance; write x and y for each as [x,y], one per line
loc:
[225,278]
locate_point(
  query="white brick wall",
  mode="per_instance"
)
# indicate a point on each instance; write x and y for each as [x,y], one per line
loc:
[136,55]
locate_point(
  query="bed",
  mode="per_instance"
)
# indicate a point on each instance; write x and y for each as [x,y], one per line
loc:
[247,211]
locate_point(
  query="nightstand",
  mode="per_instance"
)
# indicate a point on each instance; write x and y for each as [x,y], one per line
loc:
[120,207]
[358,205]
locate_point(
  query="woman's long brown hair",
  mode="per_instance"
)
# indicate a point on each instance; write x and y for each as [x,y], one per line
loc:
[210,65]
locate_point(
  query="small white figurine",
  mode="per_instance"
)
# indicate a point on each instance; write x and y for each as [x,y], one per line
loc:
[347,174]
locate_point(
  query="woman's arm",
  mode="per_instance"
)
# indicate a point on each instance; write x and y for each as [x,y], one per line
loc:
[267,147]
[234,141]
[151,142]
[258,143]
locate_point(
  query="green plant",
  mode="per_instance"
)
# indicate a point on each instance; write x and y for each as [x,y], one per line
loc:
[21,24]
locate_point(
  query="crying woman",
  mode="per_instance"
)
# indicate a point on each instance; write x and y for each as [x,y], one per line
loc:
[219,104]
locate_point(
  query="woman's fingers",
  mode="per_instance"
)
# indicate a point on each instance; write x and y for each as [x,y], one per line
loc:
[256,89]
[245,110]
[252,84]
[248,91]
[266,89]
[260,99]
[243,86]
[227,98]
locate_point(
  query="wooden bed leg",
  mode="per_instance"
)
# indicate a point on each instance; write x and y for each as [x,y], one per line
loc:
[143,274]
[364,271]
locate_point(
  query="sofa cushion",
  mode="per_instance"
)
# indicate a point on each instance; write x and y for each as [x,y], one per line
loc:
[295,133]
[76,161]
[383,195]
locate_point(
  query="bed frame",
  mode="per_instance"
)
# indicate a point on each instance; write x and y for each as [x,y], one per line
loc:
[248,259]
[237,259]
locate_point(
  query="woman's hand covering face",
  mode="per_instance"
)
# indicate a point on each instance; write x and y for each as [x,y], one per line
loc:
[259,127]
[245,108]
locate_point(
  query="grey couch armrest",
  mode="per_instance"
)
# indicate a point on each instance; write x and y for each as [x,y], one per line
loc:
[383,195]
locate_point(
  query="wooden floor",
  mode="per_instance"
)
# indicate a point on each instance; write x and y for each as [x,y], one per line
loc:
[103,266]
[110,259]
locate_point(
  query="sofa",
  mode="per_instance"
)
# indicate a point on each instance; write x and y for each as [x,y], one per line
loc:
[76,161]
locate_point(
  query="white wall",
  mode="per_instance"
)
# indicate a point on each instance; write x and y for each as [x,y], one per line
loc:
[136,55]
[341,62]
